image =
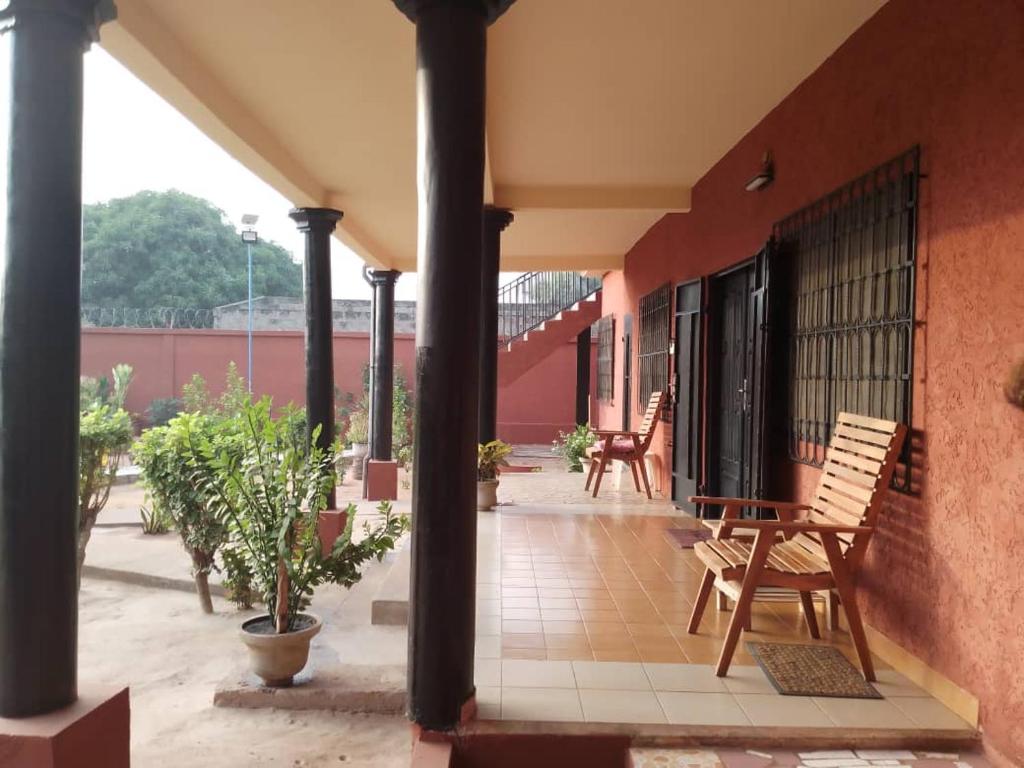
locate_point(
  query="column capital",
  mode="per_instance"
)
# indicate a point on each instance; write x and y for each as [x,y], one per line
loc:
[88,15]
[377,277]
[315,219]
[497,218]
[490,9]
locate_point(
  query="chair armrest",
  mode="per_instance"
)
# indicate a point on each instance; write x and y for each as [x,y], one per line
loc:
[775,525]
[759,503]
[614,433]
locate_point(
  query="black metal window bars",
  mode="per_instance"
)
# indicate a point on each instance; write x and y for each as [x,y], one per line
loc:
[606,358]
[655,336]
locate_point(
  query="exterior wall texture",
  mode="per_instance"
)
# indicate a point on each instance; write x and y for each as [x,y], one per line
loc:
[530,410]
[943,579]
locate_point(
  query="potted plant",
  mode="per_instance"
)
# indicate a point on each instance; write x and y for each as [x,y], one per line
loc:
[489,458]
[269,489]
[357,435]
[573,446]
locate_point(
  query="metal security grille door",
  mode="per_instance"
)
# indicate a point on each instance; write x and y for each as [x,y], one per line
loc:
[655,328]
[627,372]
[852,323]
[606,358]
[686,420]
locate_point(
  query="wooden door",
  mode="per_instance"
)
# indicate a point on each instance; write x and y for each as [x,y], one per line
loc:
[687,394]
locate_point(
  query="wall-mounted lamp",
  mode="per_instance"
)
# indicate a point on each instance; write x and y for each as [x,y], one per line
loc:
[764,177]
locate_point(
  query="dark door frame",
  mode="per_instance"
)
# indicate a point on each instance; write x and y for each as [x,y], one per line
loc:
[627,371]
[687,427]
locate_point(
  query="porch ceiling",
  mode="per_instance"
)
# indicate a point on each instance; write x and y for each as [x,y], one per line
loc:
[601,116]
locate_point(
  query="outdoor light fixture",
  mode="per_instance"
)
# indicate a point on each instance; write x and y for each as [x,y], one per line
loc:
[764,177]
[250,238]
[249,233]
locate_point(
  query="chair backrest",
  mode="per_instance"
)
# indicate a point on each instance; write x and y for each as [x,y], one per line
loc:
[650,420]
[859,465]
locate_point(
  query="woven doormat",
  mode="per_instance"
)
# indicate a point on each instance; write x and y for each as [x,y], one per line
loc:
[811,670]
[685,538]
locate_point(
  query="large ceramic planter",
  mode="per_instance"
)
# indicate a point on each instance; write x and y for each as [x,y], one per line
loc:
[359,451]
[486,494]
[276,659]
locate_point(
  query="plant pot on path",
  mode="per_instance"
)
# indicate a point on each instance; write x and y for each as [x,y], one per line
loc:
[486,495]
[359,452]
[276,659]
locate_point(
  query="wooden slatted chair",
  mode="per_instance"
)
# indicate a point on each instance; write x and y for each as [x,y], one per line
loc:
[627,447]
[823,543]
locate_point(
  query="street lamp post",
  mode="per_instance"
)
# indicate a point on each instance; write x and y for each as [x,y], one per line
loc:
[250,238]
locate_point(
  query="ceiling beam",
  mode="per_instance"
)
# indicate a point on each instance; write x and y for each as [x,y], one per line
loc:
[520,198]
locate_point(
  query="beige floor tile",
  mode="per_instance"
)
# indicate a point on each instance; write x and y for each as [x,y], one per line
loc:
[541,704]
[685,677]
[863,713]
[520,602]
[570,654]
[616,654]
[488,607]
[560,615]
[558,604]
[608,675]
[892,684]
[748,680]
[517,673]
[488,646]
[487,672]
[928,713]
[533,654]
[488,702]
[522,640]
[519,626]
[520,614]
[776,710]
[690,708]
[621,707]
[555,592]
[488,625]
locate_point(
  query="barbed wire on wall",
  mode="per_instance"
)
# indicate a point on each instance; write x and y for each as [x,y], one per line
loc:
[151,317]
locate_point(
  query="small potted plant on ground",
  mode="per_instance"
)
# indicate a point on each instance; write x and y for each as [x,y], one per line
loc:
[573,446]
[489,458]
[269,489]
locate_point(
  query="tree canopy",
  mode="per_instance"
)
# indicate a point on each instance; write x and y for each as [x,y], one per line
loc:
[170,249]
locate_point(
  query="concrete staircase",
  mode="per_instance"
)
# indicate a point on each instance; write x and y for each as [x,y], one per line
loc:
[519,355]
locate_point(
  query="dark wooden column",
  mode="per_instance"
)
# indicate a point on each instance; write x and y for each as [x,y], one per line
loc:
[451,42]
[382,361]
[495,220]
[317,224]
[41,46]
[583,376]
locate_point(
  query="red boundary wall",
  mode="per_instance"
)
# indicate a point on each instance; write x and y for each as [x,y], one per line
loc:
[530,410]
[944,575]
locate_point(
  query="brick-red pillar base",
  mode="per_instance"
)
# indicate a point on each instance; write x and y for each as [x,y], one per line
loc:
[381,480]
[94,732]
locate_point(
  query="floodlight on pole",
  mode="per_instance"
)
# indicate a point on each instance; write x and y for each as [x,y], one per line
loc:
[250,238]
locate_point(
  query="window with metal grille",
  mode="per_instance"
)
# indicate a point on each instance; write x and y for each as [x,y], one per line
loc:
[655,325]
[606,358]
[852,309]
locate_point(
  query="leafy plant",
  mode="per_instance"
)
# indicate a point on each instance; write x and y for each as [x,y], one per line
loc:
[162,410]
[166,458]
[234,397]
[155,521]
[573,446]
[490,457]
[270,495]
[122,375]
[237,577]
[104,434]
[358,424]
[195,395]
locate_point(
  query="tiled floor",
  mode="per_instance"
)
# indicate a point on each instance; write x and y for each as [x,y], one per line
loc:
[833,758]
[581,616]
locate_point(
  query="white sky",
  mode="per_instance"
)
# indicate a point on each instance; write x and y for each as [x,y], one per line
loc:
[134,140]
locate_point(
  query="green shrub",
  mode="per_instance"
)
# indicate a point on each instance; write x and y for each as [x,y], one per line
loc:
[573,446]
[104,434]
[155,521]
[162,410]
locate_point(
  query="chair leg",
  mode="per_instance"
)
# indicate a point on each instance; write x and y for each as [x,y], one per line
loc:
[809,615]
[643,473]
[723,602]
[844,584]
[706,585]
[600,473]
[590,475]
[636,477]
[833,610]
[741,612]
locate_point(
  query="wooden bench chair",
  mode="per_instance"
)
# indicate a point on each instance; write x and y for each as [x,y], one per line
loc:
[627,447]
[811,547]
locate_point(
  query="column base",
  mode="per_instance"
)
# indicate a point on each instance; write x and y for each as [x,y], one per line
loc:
[94,731]
[330,526]
[381,480]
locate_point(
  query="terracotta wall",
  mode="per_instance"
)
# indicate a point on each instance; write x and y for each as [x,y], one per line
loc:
[530,410]
[944,579]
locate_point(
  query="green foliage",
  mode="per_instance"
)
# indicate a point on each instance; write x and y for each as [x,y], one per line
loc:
[195,396]
[170,249]
[573,446]
[122,375]
[270,494]
[166,458]
[401,415]
[162,410]
[359,423]
[235,396]
[238,577]
[490,457]
[104,434]
[155,521]
[92,392]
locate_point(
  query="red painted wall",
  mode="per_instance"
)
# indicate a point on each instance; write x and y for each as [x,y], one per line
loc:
[530,410]
[944,579]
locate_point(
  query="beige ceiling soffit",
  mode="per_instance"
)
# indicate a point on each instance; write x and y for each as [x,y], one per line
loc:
[157,58]
[562,263]
[668,199]
[354,236]
[488,178]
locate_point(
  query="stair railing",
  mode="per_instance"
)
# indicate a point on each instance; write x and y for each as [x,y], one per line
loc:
[534,297]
